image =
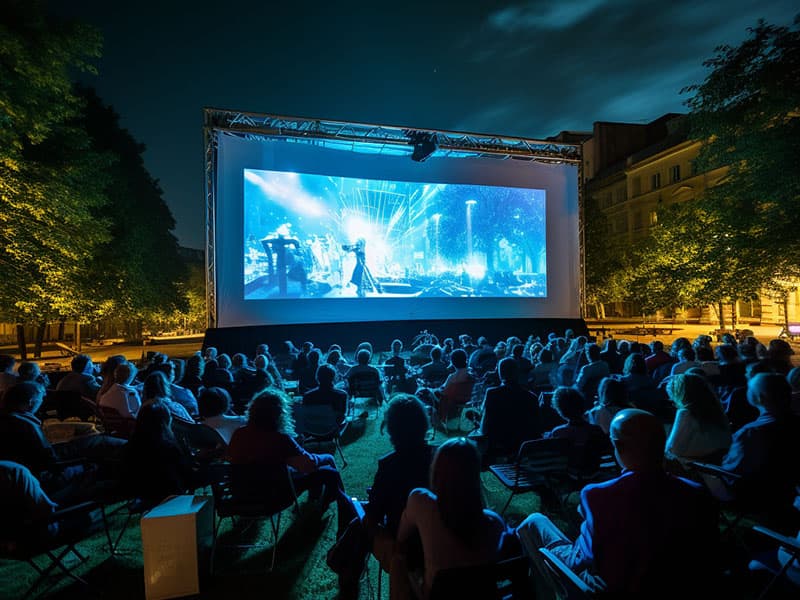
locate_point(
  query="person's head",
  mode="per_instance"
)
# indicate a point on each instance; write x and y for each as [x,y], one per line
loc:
[25,396]
[624,347]
[363,357]
[448,344]
[124,373]
[694,393]
[270,410]
[756,367]
[464,339]
[611,345]
[634,365]
[213,401]
[770,392]
[167,368]
[153,421]
[456,481]
[195,366]
[314,358]
[728,338]
[262,349]
[110,365]
[406,421]
[592,352]
[7,363]
[780,351]
[638,438]
[239,360]
[82,363]
[261,362]
[459,358]
[726,354]
[545,356]
[436,354]
[517,350]
[210,353]
[325,375]
[508,370]
[28,371]
[500,349]
[482,341]
[657,346]
[747,351]
[568,403]
[686,354]
[704,353]
[397,347]
[794,379]
[612,391]
[156,385]
[364,346]
[333,358]
[223,361]
[677,344]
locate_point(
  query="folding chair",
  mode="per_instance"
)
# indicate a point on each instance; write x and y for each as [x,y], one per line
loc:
[252,492]
[32,541]
[319,424]
[786,576]
[566,584]
[540,465]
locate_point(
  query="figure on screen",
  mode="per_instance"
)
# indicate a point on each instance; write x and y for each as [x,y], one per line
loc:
[278,246]
[362,277]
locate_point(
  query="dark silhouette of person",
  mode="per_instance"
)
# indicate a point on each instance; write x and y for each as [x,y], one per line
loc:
[278,246]
[361,277]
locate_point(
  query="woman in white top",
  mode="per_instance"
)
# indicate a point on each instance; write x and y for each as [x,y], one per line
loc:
[454,528]
[215,405]
[122,396]
[701,430]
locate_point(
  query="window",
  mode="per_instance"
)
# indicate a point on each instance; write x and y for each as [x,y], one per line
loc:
[655,181]
[607,200]
[636,185]
[675,174]
[621,224]
[637,220]
[620,195]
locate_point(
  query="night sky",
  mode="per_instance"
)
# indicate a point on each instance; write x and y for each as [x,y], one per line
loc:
[527,69]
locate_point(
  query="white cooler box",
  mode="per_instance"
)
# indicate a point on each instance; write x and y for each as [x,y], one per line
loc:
[176,539]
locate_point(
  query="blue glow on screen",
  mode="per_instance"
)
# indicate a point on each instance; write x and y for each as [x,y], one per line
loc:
[320,236]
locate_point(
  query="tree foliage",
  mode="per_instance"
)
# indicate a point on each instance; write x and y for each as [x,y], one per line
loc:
[50,179]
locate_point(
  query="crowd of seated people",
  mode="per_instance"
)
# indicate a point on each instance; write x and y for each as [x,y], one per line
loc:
[734,405]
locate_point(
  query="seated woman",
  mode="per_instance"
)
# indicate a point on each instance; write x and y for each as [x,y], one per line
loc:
[268,438]
[154,464]
[701,430]
[215,410]
[588,442]
[612,397]
[454,528]
[121,395]
[405,468]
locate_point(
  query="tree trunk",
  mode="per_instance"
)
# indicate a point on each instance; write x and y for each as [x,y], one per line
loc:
[786,312]
[23,350]
[733,316]
[721,314]
[37,348]
[61,323]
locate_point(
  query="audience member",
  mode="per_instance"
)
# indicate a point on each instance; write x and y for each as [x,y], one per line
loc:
[214,405]
[636,523]
[611,356]
[107,372]
[657,357]
[434,372]
[30,371]
[510,415]
[612,397]
[588,442]
[591,374]
[157,387]
[177,393]
[454,528]
[268,439]
[326,393]
[363,376]
[81,379]
[400,471]
[7,375]
[121,395]
[193,377]
[634,374]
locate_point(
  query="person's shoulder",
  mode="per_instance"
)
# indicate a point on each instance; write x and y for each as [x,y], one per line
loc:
[421,497]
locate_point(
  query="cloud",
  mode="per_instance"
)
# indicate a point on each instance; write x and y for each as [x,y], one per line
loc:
[544,14]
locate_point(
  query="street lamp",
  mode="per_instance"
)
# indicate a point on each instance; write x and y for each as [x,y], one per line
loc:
[470,204]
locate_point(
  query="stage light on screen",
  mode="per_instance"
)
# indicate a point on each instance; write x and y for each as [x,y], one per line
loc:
[390,239]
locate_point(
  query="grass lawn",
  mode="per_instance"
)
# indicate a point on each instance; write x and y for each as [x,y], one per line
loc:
[300,572]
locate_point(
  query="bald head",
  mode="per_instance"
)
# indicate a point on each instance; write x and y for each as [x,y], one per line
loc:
[769,392]
[639,438]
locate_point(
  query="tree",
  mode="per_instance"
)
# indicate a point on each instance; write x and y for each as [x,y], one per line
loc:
[50,180]
[747,113]
[138,270]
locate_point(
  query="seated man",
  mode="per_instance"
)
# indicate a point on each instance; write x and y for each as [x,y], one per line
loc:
[82,378]
[122,396]
[363,378]
[434,372]
[510,414]
[326,393]
[591,374]
[635,523]
[453,390]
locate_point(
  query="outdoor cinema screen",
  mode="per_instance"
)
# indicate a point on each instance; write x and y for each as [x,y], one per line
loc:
[318,236]
[325,231]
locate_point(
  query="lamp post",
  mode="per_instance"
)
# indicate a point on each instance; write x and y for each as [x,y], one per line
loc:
[470,204]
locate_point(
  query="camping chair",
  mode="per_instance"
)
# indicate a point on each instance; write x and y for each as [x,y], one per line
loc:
[781,581]
[460,395]
[115,424]
[319,424]
[540,464]
[253,492]
[565,582]
[32,540]
[504,580]
[364,389]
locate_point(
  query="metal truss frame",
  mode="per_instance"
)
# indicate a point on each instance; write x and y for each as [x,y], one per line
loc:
[380,138]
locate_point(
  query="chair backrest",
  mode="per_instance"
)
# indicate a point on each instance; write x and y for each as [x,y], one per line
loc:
[197,439]
[316,420]
[503,580]
[461,392]
[63,404]
[364,385]
[251,490]
[544,456]
[114,423]
[566,584]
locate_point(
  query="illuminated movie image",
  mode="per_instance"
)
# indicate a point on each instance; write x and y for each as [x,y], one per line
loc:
[318,236]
